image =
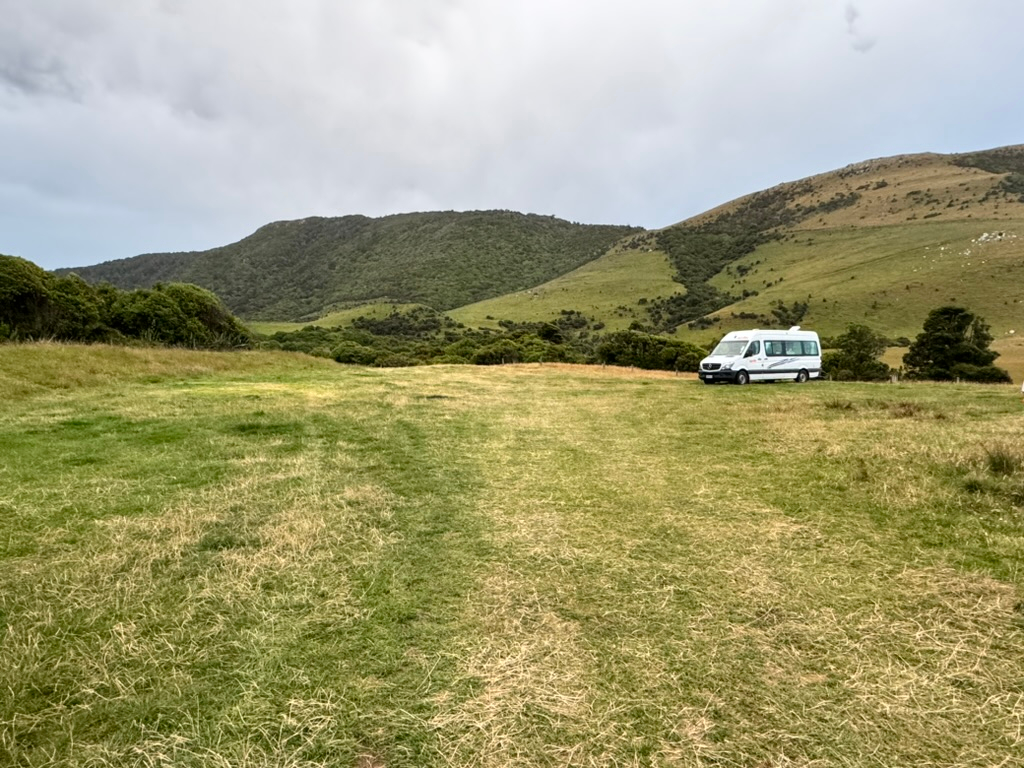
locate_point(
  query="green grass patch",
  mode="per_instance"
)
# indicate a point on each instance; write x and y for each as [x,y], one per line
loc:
[886,277]
[606,290]
[281,564]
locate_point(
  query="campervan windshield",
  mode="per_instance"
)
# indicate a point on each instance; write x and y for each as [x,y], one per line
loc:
[729,348]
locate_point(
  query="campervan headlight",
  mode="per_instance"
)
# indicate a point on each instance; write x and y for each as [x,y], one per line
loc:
[726,366]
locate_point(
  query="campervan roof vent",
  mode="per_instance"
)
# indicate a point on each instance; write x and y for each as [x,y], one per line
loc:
[795,328]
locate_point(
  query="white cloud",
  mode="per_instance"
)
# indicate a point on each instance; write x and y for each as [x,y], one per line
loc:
[190,123]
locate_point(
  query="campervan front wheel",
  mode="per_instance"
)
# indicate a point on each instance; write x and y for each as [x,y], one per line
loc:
[742,377]
[801,377]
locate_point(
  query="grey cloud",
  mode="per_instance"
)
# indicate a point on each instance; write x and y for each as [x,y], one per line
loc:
[29,60]
[852,14]
[860,42]
[195,121]
[34,73]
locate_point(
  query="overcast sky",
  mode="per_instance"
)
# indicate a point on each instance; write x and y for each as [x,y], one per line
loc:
[133,126]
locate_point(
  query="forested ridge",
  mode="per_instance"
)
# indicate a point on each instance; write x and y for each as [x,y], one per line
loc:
[296,270]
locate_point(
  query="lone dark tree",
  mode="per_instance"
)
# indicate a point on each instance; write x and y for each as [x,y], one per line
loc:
[953,345]
[856,356]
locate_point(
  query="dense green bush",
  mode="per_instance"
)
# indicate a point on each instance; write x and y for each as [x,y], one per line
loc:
[354,353]
[420,340]
[75,310]
[35,304]
[856,356]
[984,374]
[642,350]
[24,297]
[954,344]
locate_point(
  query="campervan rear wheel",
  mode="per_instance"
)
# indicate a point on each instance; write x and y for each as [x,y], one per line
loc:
[742,377]
[801,377]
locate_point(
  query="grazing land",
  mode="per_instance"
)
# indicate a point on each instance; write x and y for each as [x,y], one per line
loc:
[607,289]
[263,559]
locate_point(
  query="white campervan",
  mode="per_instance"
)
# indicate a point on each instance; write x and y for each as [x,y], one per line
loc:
[743,356]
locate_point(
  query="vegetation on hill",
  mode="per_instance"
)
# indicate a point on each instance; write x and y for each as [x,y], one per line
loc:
[35,304]
[422,336]
[701,250]
[609,289]
[299,270]
[1001,160]
[880,243]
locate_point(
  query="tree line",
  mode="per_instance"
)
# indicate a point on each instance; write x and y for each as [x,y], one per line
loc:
[953,345]
[36,304]
[422,336]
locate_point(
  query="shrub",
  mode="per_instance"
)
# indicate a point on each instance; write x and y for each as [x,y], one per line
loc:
[394,360]
[985,374]
[499,353]
[856,358]
[352,353]
[641,350]
[953,344]
[24,296]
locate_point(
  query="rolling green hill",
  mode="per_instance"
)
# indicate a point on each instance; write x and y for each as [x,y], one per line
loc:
[880,242]
[300,270]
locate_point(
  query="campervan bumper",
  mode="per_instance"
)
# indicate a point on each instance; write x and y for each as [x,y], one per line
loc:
[728,375]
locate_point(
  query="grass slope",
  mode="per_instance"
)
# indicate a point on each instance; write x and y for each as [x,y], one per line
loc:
[888,277]
[903,241]
[299,270]
[275,562]
[606,289]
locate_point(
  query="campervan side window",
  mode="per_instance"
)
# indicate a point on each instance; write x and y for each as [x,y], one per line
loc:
[790,347]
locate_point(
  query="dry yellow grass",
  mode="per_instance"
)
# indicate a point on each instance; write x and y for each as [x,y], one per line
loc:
[280,565]
[895,190]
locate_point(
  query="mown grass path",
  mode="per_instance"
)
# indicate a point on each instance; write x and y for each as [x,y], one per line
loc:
[277,562]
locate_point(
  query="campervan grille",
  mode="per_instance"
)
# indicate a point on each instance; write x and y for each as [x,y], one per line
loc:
[712,366]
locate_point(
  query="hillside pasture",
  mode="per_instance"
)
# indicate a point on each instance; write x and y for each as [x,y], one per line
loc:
[606,290]
[269,560]
[888,278]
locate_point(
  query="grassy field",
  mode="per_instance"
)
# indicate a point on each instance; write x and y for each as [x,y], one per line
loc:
[607,289]
[271,560]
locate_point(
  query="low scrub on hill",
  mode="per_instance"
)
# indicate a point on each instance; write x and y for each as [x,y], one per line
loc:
[421,337]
